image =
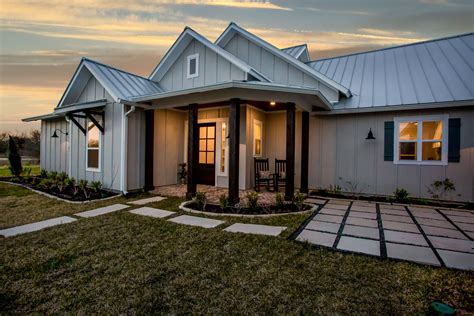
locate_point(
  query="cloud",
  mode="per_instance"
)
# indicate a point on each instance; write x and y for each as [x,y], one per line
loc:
[243,4]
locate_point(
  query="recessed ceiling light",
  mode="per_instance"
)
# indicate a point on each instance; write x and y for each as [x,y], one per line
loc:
[273,103]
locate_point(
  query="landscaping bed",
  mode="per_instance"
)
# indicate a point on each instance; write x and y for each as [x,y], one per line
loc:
[259,210]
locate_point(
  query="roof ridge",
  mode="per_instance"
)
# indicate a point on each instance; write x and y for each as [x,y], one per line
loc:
[305,44]
[117,69]
[394,47]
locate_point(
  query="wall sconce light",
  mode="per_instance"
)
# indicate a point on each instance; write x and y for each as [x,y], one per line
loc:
[272,103]
[55,135]
[370,135]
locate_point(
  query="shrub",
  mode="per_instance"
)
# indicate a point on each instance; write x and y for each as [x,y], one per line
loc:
[298,200]
[46,184]
[224,202]
[252,200]
[279,200]
[61,176]
[13,157]
[51,175]
[401,195]
[201,200]
[43,173]
[335,189]
[71,183]
[438,189]
[96,186]
[83,187]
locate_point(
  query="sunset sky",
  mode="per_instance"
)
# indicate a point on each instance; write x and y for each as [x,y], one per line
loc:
[41,42]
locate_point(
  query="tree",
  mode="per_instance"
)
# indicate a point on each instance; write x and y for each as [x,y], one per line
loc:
[14,157]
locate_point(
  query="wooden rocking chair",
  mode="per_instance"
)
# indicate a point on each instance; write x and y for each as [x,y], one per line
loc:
[262,173]
[280,173]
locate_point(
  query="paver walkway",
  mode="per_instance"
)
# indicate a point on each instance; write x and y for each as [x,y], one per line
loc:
[255,229]
[147,200]
[420,234]
[196,221]
[152,212]
[102,210]
[23,229]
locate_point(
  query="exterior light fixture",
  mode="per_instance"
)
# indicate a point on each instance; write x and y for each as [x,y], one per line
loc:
[55,135]
[370,135]
[272,103]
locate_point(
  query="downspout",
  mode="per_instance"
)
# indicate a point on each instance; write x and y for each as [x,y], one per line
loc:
[123,153]
[69,167]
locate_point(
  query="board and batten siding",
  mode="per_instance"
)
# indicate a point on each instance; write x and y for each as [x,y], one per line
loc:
[212,69]
[136,150]
[275,68]
[54,151]
[339,154]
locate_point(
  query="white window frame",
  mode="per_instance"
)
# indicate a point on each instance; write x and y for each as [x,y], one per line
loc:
[226,150]
[188,64]
[444,118]
[87,149]
[257,122]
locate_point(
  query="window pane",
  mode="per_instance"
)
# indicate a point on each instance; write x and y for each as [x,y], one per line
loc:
[408,131]
[93,136]
[93,158]
[223,136]
[257,131]
[192,66]
[210,157]
[431,151]
[202,145]
[258,147]
[408,151]
[202,157]
[432,130]
[210,145]
[210,132]
[202,132]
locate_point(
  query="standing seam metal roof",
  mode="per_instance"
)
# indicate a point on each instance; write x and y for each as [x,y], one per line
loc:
[440,70]
[294,51]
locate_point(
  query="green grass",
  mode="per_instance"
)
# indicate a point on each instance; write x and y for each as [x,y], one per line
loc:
[5,171]
[126,263]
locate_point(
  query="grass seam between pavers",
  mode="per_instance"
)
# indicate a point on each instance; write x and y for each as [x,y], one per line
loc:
[341,228]
[383,245]
[452,223]
[298,231]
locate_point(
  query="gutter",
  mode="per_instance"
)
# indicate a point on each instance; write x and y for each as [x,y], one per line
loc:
[123,152]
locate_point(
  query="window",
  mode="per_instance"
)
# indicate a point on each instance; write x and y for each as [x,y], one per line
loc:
[207,144]
[421,140]
[193,66]
[93,147]
[257,138]
[223,138]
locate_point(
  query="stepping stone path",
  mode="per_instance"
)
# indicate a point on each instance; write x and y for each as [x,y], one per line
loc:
[255,229]
[102,210]
[147,200]
[23,229]
[152,212]
[196,221]
[419,234]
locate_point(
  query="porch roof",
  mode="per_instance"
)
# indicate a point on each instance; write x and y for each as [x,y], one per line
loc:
[308,99]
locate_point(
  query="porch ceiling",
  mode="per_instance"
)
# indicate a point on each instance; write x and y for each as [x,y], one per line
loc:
[256,93]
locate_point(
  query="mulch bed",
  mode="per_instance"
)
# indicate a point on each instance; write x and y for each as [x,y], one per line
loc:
[259,210]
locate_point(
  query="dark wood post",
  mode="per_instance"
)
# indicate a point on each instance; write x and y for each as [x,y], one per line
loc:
[149,140]
[234,144]
[193,139]
[290,151]
[304,151]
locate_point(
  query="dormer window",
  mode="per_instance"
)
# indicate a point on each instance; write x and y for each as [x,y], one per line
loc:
[193,66]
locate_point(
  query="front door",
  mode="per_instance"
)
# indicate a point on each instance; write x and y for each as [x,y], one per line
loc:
[207,150]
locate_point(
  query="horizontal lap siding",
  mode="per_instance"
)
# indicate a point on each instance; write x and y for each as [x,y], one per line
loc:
[340,155]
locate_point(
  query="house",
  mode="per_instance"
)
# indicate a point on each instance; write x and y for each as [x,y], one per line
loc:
[216,106]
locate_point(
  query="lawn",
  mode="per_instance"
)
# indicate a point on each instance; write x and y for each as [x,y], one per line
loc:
[5,171]
[126,263]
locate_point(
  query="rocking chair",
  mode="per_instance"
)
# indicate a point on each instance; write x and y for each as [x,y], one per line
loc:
[280,173]
[262,173]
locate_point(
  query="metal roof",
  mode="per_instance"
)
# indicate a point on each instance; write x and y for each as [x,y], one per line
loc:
[296,51]
[121,84]
[440,70]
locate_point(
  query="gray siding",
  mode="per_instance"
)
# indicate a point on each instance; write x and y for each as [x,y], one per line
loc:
[274,67]
[136,150]
[54,151]
[339,153]
[212,69]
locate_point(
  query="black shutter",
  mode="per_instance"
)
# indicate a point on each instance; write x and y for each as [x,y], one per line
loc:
[454,140]
[388,141]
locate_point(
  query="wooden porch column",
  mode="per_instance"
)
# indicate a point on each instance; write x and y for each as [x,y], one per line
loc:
[304,151]
[193,139]
[290,151]
[149,141]
[234,144]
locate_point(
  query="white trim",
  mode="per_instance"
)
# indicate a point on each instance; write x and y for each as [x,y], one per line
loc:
[444,118]
[98,169]
[188,66]
[257,122]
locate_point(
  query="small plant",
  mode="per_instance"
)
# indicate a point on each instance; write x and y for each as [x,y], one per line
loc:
[182,173]
[51,175]
[61,176]
[201,200]
[252,200]
[335,189]
[298,200]
[354,188]
[224,202]
[83,187]
[45,184]
[438,189]
[43,174]
[71,183]
[96,186]
[279,200]
[61,185]
[401,195]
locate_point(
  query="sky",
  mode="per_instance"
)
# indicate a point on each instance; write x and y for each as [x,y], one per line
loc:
[42,41]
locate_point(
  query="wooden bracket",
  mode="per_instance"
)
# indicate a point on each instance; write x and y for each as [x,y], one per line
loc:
[96,123]
[71,117]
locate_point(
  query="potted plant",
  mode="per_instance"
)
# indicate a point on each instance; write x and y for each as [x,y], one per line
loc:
[182,173]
